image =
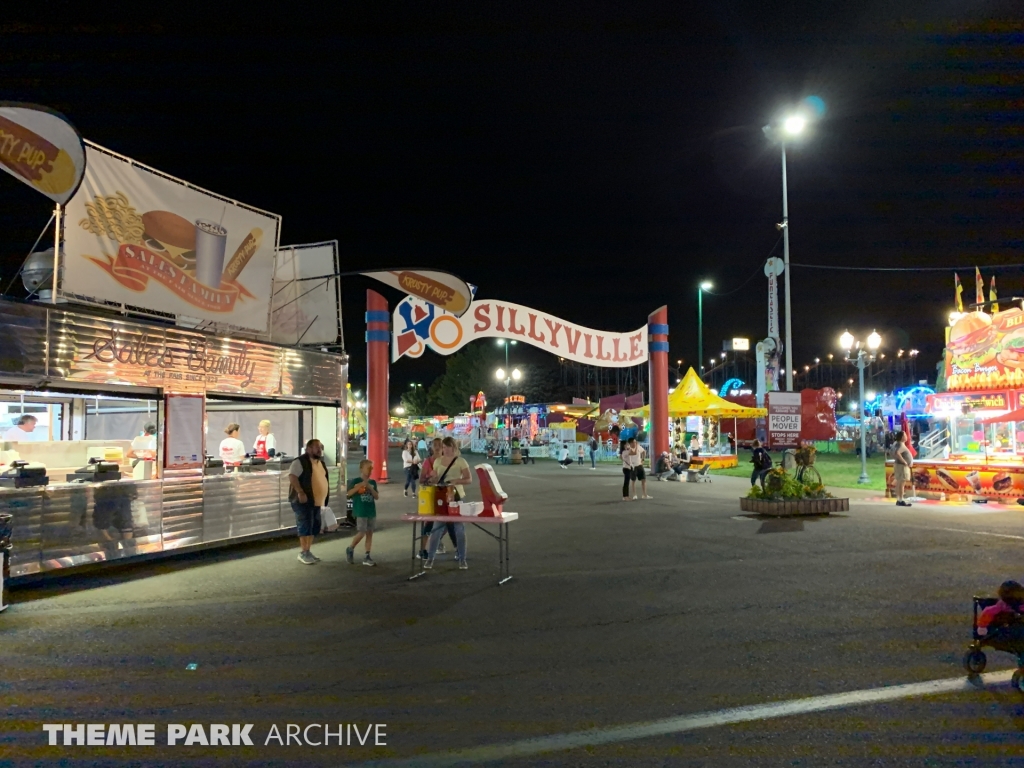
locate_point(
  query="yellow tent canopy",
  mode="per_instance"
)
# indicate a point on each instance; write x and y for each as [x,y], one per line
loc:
[692,397]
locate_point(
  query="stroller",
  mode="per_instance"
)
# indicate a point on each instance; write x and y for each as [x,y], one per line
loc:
[1009,639]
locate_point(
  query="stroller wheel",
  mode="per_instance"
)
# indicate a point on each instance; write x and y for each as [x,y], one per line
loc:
[1017,681]
[975,661]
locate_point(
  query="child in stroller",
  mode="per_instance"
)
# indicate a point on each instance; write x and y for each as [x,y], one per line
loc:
[998,624]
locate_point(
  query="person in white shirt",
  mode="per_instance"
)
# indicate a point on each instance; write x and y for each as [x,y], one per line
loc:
[563,456]
[232,450]
[23,430]
[266,444]
[411,464]
[144,446]
[633,469]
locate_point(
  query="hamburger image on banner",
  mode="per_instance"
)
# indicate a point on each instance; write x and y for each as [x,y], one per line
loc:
[986,351]
[142,239]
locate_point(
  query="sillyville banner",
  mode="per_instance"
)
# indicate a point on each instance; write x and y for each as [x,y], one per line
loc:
[41,148]
[136,236]
[418,326]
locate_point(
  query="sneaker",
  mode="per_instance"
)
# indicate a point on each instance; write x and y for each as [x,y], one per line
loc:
[368,560]
[634,498]
[428,565]
[306,558]
[441,550]
[406,493]
[593,467]
[423,554]
[315,558]
[349,555]
[648,497]
[463,565]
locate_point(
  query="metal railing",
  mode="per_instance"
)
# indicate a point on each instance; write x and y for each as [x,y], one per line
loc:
[932,443]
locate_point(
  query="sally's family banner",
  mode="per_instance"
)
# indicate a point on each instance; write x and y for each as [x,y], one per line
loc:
[135,236]
[419,325]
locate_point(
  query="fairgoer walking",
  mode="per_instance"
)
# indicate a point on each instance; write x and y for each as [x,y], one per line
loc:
[309,490]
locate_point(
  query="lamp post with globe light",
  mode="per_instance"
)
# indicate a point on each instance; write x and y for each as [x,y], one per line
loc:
[865,353]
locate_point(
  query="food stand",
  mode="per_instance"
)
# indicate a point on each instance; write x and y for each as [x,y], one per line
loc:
[100,378]
[692,397]
[978,449]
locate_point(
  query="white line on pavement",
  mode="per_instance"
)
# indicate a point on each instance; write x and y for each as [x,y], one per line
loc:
[977,533]
[685,723]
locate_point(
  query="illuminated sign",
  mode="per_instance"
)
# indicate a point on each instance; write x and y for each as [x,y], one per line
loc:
[957,403]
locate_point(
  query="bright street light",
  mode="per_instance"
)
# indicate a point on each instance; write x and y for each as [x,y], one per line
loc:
[795,124]
[874,340]
[791,127]
[399,410]
[704,286]
[846,342]
[516,374]
[871,396]
[499,374]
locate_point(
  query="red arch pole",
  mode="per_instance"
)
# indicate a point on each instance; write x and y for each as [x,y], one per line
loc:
[657,340]
[378,343]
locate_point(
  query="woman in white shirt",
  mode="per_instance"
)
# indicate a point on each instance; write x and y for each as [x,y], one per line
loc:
[266,444]
[232,450]
[633,469]
[411,463]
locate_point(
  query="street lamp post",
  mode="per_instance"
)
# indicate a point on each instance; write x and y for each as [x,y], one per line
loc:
[705,286]
[791,126]
[516,373]
[862,360]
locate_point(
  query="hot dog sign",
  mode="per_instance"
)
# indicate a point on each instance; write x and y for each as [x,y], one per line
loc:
[140,238]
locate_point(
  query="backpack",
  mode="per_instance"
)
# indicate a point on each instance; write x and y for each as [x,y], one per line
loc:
[761,459]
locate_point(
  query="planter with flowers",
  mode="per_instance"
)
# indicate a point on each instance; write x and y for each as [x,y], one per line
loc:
[784,496]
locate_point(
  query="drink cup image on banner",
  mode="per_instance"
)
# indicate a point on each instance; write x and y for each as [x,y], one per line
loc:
[135,236]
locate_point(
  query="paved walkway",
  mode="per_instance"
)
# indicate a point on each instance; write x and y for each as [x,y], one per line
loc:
[622,617]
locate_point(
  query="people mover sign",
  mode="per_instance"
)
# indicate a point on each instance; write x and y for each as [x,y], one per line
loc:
[418,326]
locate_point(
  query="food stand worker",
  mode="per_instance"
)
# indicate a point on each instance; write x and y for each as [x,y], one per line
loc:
[22,430]
[232,450]
[266,444]
[144,446]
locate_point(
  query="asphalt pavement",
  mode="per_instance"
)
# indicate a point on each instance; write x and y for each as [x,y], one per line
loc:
[674,631]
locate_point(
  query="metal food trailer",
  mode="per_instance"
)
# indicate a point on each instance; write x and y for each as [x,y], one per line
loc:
[91,381]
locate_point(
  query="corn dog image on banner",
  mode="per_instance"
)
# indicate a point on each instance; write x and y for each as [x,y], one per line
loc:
[136,236]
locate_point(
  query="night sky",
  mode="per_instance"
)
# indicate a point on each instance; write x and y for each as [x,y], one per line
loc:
[591,161]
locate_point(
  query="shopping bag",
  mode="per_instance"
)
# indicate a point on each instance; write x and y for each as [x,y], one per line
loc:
[328,521]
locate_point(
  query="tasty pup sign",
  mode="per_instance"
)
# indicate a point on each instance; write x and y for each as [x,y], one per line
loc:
[42,149]
[419,325]
[138,237]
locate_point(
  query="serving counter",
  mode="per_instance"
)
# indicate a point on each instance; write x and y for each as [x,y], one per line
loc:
[969,477]
[63,525]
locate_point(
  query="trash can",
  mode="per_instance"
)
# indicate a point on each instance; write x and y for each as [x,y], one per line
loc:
[6,528]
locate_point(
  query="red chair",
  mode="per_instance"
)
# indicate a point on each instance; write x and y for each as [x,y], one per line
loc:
[491,491]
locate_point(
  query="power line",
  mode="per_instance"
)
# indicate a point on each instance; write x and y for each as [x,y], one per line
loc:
[759,269]
[961,268]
